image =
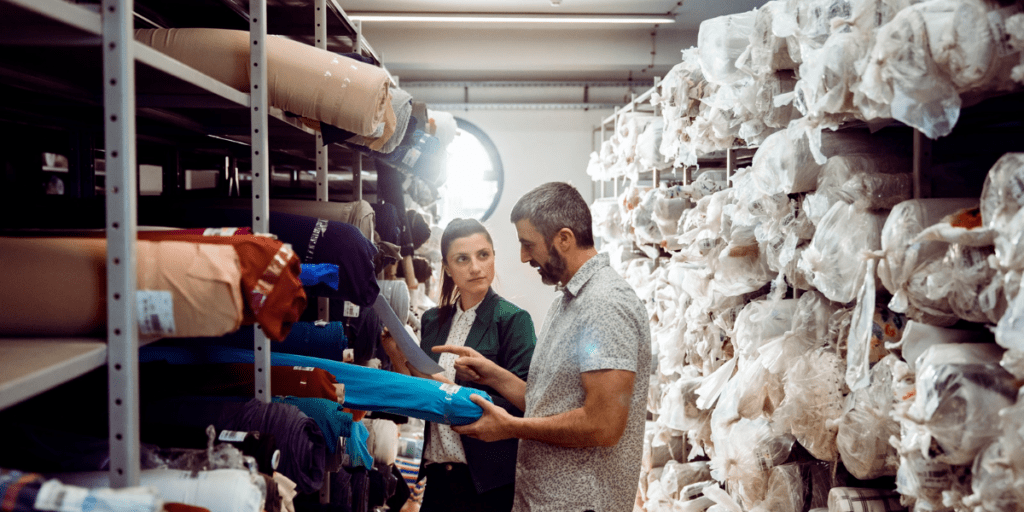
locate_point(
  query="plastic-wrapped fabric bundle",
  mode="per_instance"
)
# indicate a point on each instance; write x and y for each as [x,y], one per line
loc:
[676,477]
[814,390]
[720,41]
[766,53]
[903,259]
[796,487]
[607,222]
[873,182]
[960,389]
[744,452]
[864,429]
[786,162]
[997,476]
[927,56]
[834,258]
[648,145]
[809,330]
[219,490]
[1003,194]
[827,76]
[766,107]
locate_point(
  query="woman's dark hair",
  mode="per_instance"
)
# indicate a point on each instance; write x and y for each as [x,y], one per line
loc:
[457,228]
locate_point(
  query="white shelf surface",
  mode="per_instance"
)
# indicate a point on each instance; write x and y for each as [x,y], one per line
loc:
[29,366]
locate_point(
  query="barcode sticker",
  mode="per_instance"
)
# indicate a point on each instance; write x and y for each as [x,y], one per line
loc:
[56,497]
[351,310]
[220,231]
[410,158]
[231,436]
[933,475]
[451,389]
[155,312]
[303,368]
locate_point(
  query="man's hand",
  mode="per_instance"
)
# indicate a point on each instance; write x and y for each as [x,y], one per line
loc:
[494,425]
[471,365]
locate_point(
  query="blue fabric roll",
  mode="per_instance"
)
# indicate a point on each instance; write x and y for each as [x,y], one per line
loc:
[366,389]
[358,453]
[319,273]
[333,422]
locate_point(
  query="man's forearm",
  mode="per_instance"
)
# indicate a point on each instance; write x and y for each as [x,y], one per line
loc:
[572,429]
[510,386]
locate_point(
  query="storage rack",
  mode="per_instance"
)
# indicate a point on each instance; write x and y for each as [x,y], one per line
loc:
[72,63]
[729,159]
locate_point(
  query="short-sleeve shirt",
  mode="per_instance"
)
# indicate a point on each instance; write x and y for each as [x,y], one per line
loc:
[597,323]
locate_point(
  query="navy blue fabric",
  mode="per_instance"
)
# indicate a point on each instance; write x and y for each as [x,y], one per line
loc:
[388,226]
[334,423]
[362,332]
[319,273]
[305,339]
[366,389]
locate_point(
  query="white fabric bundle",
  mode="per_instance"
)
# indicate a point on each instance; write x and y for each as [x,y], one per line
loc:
[927,56]
[904,258]
[720,42]
[875,182]
[997,477]
[834,257]
[767,53]
[219,490]
[864,429]
[960,391]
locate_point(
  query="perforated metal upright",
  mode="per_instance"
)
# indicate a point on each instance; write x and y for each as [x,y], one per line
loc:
[121,224]
[259,105]
[322,153]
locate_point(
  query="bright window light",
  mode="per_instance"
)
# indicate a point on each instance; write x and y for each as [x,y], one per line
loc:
[474,177]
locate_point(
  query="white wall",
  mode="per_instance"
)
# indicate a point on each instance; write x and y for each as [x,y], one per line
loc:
[535,146]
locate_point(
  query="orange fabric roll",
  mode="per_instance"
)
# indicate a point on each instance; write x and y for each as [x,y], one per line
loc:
[274,297]
[302,79]
[57,287]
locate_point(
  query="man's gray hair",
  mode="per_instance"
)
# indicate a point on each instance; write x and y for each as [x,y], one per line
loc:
[553,206]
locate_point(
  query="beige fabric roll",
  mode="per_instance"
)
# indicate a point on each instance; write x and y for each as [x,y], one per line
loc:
[57,287]
[302,79]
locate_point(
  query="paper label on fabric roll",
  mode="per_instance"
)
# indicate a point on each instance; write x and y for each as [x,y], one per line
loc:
[231,436]
[155,312]
[220,231]
[303,368]
[451,389]
[351,310]
[56,497]
[411,157]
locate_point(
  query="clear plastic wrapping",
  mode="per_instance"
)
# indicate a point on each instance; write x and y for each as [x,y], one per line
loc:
[864,429]
[814,395]
[720,42]
[834,258]
[960,389]
[997,476]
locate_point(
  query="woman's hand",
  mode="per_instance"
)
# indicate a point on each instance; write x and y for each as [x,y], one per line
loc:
[472,366]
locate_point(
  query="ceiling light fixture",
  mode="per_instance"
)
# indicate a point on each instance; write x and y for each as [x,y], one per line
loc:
[510,18]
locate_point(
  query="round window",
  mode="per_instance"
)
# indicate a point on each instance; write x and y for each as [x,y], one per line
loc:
[474,176]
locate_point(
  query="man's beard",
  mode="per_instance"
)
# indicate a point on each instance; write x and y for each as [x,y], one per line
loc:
[552,271]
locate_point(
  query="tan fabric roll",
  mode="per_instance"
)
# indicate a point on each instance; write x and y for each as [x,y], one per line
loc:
[57,287]
[302,79]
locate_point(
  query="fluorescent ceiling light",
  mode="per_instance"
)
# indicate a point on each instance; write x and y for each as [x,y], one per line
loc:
[509,18]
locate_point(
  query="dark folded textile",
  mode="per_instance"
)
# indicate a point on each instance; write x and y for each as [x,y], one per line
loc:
[300,440]
[334,423]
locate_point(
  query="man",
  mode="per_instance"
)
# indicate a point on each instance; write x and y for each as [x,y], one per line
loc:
[585,399]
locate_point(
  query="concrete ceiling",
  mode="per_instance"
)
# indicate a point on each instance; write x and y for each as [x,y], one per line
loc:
[444,52]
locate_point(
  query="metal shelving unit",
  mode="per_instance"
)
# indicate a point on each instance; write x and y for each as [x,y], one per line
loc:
[78,63]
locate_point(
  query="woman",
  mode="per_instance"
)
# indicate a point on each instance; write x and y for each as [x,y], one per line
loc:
[466,474]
